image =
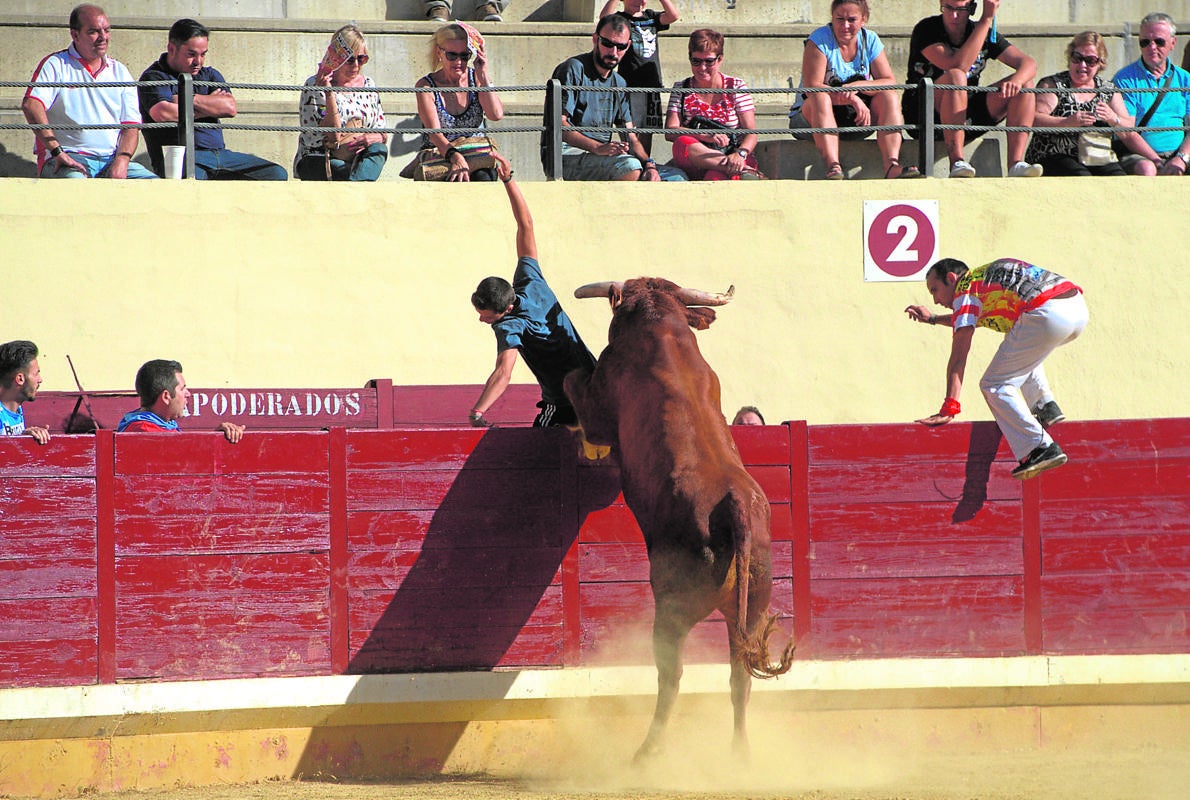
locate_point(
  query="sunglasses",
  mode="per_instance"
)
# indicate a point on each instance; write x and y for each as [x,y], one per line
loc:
[1146,42]
[361,59]
[1090,61]
[617,46]
[456,55]
[704,62]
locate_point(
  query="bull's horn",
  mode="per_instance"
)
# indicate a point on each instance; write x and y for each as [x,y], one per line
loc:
[598,289]
[694,297]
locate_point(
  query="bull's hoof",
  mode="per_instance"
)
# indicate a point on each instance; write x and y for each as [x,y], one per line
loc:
[646,754]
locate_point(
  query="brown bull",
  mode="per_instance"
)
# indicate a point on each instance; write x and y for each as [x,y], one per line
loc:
[705,520]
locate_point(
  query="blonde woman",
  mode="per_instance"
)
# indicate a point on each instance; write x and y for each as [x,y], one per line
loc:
[341,156]
[452,48]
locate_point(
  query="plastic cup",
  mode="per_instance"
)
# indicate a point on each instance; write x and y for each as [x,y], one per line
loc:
[175,159]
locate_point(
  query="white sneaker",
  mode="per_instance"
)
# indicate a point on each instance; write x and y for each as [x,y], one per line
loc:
[961,169]
[1023,169]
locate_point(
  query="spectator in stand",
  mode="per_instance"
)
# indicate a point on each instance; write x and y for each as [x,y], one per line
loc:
[91,153]
[185,51]
[724,151]
[1094,105]
[163,398]
[488,12]
[951,50]
[748,415]
[451,48]
[641,65]
[341,156]
[20,377]
[1155,152]
[593,156]
[845,52]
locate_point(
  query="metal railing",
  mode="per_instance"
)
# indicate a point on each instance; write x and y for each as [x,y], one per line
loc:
[551,130]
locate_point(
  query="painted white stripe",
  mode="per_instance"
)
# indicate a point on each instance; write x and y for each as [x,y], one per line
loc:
[817,676]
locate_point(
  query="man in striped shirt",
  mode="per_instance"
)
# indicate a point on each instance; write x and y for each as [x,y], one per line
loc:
[1037,311]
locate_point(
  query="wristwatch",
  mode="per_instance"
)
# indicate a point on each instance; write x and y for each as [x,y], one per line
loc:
[55,151]
[744,152]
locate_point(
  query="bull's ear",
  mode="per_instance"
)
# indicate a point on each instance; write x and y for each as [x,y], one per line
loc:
[615,295]
[700,318]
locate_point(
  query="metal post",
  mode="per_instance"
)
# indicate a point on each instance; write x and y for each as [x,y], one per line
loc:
[554,128]
[925,126]
[186,119]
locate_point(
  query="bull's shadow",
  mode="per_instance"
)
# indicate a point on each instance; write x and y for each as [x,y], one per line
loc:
[473,569]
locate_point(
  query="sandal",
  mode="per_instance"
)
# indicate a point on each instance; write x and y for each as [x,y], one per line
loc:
[834,171]
[910,171]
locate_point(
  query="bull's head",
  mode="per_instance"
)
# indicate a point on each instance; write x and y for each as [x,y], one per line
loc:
[695,301]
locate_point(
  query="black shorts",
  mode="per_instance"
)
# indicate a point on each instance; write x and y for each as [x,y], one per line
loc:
[552,414]
[977,113]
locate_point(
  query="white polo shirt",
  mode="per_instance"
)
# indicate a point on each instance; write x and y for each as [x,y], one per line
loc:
[83,106]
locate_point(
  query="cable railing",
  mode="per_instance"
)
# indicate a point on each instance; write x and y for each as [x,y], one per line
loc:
[552,128]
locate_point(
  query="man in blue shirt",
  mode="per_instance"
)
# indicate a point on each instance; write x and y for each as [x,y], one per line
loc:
[594,156]
[527,319]
[1155,152]
[20,377]
[185,52]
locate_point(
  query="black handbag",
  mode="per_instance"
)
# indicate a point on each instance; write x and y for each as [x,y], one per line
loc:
[734,135]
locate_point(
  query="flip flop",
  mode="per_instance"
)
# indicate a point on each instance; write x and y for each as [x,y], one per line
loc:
[834,172]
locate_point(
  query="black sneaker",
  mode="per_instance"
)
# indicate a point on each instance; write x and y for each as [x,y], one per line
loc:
[1041,459]
[1048,414]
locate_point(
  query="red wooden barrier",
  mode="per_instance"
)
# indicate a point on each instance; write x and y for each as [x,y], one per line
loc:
[142,556]
[379,404]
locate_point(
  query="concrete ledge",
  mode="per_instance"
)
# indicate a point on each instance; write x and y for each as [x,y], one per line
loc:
[794,159]
[75,740]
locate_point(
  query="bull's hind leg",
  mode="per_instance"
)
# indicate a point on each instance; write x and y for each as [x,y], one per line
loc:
[670,629]
[741,692]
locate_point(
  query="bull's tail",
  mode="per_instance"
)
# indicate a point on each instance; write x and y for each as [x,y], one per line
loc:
[754,648]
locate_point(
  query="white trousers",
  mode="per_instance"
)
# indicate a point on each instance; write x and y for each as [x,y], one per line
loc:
[1015,382]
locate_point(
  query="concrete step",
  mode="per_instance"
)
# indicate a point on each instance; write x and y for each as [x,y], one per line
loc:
[713,13]
[793,159]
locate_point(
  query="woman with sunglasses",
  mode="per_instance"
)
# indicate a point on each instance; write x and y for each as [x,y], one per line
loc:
[1094,104]
[341,156]
[451,49]
[720,153]
[846,53]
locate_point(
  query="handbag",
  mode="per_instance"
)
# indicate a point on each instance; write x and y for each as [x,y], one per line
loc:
[430,165]
[706,123]
[342,149]
[1095,149]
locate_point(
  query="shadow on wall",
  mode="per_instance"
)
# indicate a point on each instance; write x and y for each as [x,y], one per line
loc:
[981,452]
[14,166]
[465,577]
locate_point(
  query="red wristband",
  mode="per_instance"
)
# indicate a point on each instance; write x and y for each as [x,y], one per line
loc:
[950,408]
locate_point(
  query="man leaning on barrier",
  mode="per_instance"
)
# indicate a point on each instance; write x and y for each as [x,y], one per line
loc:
[163,395]
[186,50]
[594,156]
[1155,152]
[92,153]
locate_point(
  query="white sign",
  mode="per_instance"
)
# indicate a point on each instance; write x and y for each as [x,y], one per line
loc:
[900,239]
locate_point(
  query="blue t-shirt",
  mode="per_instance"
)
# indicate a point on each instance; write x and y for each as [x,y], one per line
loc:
[591,108]
[12,423]
[1173,109]
[155,138]
[839,70]
[540,329]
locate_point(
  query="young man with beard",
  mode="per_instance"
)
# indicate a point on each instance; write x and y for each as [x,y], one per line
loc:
[20,376]
[594,156]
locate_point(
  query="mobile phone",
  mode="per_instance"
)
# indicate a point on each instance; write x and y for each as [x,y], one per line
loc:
[971,8]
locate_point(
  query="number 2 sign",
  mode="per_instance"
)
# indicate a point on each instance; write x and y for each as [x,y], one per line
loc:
[900,239]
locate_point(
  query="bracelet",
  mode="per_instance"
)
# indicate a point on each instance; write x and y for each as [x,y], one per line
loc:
[950,408]
[509,178]
[933,320]
[452,151]
[126,155]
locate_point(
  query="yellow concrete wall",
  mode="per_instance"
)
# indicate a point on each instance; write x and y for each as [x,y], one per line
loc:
[329,285]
